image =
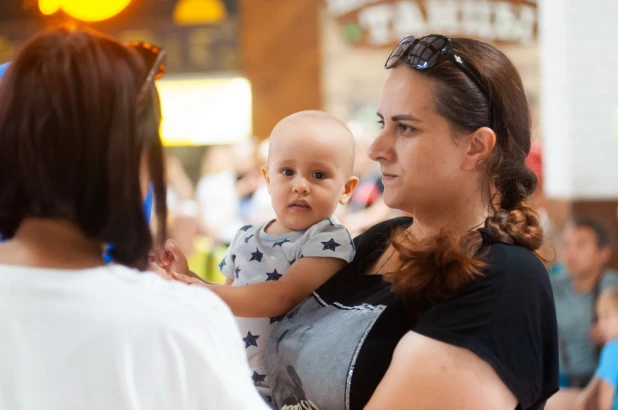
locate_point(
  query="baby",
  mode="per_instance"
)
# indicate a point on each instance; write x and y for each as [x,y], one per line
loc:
[607,371]
[309,172]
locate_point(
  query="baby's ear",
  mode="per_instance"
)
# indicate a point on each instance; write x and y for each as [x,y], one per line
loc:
[348,189]
[265,174]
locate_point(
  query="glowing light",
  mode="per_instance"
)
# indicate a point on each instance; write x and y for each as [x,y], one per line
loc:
[203,111]
[192,12]
[85,10]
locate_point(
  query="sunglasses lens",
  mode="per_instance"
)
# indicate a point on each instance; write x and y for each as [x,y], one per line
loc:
[401,49]
[426,51]
[150,54]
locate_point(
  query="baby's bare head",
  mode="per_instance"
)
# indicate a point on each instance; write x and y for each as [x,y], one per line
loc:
[314,133]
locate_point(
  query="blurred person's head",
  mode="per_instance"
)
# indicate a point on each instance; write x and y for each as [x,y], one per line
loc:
[586,247]
[217,159]
[309,170]
[79,140]
[607,314]
[455,126]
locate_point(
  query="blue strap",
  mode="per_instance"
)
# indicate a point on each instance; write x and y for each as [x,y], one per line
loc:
[147,213]
[3,68]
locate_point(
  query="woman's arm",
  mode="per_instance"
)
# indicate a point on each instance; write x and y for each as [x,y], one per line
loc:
[426,374]
[606,396]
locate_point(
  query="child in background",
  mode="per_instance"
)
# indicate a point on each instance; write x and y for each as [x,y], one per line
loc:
[309,172]
[607,371]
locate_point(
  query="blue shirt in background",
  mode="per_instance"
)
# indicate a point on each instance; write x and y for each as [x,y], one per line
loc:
[608,367]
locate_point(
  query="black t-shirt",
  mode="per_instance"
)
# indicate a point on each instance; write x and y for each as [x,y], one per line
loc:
[334,348]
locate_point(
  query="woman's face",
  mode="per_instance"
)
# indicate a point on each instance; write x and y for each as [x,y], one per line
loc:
[420,158]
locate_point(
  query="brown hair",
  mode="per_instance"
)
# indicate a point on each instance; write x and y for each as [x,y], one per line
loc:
[72,137]
[433,269]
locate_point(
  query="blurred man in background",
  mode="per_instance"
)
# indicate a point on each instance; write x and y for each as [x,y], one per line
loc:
[586,251]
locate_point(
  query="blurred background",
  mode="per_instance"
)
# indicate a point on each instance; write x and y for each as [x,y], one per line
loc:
[236,67]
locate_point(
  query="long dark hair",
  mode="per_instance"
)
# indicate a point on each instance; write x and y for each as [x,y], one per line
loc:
[433,269]
[73,137]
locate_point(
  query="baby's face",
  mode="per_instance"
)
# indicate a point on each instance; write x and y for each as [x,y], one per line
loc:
[308,173]
[607,314]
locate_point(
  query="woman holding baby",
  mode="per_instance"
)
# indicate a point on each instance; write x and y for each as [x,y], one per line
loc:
[451,308]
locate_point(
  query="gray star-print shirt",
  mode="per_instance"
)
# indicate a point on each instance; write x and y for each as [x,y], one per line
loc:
[255,256]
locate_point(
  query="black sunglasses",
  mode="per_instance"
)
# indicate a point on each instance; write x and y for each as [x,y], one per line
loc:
[422,54]
[154,57]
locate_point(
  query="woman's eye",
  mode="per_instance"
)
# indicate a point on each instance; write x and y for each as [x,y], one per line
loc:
[381,123]
[319,175]
[287,172]
[405,128]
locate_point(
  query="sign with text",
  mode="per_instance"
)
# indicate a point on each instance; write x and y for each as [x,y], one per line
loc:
[382,23]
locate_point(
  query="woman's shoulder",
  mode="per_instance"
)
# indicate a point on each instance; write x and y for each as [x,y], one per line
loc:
[516,267]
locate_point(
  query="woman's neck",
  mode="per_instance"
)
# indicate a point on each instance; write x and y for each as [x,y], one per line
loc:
[51,243]
[458,217]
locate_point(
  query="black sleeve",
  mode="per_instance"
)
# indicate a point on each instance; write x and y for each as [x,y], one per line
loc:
[507,318]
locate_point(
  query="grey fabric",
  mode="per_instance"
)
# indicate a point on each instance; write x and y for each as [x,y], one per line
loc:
[309,346]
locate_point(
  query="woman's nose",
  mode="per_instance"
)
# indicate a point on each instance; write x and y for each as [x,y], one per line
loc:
[378,151]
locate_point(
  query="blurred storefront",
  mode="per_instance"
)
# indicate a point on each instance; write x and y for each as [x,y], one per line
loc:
[205,99]
[358,35]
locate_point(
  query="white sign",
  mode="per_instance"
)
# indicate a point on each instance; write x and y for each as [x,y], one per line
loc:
[380,23]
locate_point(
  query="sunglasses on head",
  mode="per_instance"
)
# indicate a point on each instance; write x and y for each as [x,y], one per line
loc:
[154,57]
[423,53]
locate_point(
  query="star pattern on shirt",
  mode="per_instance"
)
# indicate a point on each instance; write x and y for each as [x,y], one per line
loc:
[250,340]
[258,377]
[280,243]
[222,264]
[246,228]
[233,258]
[274,275]
[247,238]
[256,256]
[237,271]
[292,261]
[330,245]
[276,319]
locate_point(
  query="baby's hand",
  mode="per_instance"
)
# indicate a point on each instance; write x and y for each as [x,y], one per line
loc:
[173,260]
[188,279]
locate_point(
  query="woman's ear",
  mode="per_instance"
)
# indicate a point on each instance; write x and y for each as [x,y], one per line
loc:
[481,144]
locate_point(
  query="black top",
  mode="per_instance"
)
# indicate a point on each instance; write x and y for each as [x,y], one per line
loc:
[334,348]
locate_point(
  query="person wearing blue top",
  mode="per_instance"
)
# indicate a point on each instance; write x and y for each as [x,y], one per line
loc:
[607,371]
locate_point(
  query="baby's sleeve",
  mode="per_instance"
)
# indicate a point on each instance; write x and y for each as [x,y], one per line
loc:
[329,240]
[608,364]
[227,265]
